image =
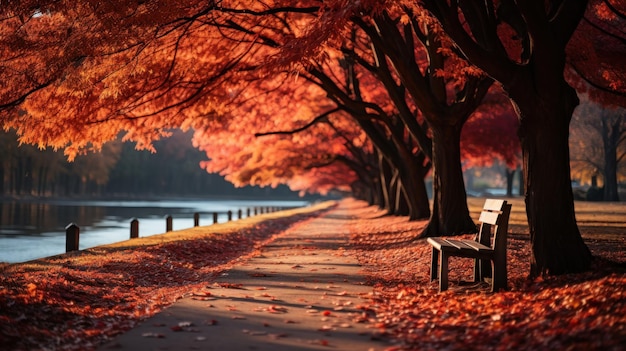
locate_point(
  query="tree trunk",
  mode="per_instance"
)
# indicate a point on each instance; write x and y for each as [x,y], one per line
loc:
[394,183]
[403,208]
[510,174]
[610,135]
[408,166]
[610,176]
[377,192]
[557,246]
[385,182]
[521,181]
[415,187]
[415,195]
[450,215]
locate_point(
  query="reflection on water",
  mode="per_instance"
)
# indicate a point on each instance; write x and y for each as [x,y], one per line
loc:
[29,218]
[31,230]
[34,219]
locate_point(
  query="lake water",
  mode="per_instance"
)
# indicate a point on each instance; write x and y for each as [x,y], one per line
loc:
[31,230]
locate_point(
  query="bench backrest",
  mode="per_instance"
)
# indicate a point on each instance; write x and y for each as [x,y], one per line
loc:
[494,218]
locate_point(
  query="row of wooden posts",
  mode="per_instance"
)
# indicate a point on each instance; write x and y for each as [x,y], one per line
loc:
[72,231]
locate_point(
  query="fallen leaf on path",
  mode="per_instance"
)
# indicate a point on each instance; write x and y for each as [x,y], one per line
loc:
[277,309]
[259,275]
[231,285]
[153,335]
[274,336]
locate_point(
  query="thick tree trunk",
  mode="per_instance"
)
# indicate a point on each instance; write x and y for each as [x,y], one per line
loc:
[414,188]
[412,196]
[557,246]
[450,214]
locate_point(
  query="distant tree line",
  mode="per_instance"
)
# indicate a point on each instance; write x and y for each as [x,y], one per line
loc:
[117,171]
[598,150]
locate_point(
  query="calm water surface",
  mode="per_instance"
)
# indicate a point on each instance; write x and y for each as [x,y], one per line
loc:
[30,230]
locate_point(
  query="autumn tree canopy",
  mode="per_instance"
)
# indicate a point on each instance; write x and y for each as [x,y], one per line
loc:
[76,74]
[595,55]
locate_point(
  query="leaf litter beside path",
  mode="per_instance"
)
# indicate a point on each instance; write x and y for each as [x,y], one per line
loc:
[77,300]
[571,312]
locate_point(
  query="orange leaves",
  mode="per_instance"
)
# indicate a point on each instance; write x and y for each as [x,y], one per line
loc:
[73,301]
[107,69]
[141,70]
[302,160]
[557,312]
[31,289]
[276,309]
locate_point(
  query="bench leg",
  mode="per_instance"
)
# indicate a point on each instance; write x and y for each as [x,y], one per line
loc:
[434,261]
[443,272]
[477,264]
[499,276]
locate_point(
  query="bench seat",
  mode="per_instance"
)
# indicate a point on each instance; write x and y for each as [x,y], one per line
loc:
[493,221]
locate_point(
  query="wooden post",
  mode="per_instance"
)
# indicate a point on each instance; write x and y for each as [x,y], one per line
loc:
[230,215]
[196,219]
[256,211]
[168,223]
[72,234]
[134,228]
[239,214]
[214,217]
[248,212]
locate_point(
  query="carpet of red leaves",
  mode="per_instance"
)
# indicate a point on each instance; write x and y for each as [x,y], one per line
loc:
[77,300]
[571,312]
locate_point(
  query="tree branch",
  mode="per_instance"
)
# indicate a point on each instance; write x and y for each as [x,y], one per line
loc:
[594,84]
[317,119]
[17,101]
[497,63]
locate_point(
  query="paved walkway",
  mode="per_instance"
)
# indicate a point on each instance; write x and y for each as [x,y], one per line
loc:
[303,292]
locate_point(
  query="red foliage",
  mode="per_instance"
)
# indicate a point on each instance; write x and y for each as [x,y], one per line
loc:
[305,160]
[76,301]
[596,53]
[491,133]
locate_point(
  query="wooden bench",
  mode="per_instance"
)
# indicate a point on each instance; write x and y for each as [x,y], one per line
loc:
[494,219]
